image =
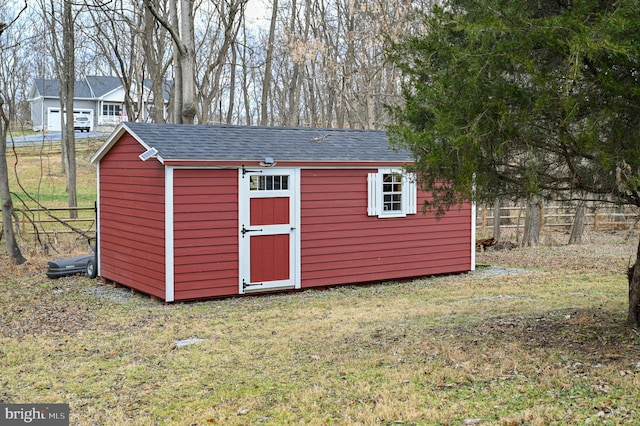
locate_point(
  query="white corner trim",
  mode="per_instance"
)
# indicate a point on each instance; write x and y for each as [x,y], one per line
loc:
[297,209]
[97,219]
[168,236]
[473,235]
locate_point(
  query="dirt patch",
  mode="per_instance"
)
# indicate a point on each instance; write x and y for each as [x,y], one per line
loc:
[44,317]
[593,335]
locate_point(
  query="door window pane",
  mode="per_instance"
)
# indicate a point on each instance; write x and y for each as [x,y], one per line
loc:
[269,183]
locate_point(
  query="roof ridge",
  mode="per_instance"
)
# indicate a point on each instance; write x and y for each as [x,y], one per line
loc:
[258,127]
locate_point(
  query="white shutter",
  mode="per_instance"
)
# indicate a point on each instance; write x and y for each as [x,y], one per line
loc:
[374,203]
[410,194]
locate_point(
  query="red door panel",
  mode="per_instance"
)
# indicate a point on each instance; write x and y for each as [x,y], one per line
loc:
[269,258]
[269,211]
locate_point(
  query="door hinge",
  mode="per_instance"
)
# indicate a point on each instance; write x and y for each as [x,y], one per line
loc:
[245,230]
[245,284]
[245,171]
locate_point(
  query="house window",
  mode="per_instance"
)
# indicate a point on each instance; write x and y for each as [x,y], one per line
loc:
[113,110]
[269,183]
[392,193]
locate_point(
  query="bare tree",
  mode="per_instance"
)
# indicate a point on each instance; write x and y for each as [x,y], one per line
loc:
[67,96]
[179,22]
[266,82]
[116,34]
[155,52]
[5,193]
[218,34]
[60,28]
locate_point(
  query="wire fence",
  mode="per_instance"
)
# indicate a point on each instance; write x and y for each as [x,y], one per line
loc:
[49,227]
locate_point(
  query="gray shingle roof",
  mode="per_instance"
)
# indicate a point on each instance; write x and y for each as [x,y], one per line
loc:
[90,87]
[51,88]
[220,143]
[101,85]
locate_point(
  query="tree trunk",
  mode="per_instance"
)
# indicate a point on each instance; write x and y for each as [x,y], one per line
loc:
[7,204]
[154,51]
[176,98]
[68,87]
[633,273]
[188,62]
[578,224]
[266,82]
[232,83]
[531,235]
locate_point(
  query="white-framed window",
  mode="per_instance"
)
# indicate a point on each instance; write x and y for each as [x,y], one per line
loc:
[392,193]
[112,110]
[269,183]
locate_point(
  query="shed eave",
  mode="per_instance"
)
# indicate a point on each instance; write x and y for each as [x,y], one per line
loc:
[283,163]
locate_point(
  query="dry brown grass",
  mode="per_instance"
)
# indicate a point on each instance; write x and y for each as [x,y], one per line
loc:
[538,341]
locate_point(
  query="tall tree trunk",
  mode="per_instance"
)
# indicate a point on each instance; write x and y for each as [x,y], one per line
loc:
[266,82]
[154,50]
[7,204]
[633,318]
[182,34]
[188,62]
[68,87]
[232,83]
[578,224]
[177,94]
[531,235]
[245,82]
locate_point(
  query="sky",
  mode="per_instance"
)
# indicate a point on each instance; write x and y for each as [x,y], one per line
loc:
[258,13]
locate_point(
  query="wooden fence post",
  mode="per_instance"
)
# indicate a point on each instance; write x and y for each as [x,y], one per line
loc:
[483,227]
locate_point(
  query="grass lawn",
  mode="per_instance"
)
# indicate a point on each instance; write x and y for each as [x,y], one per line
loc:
[537,338]
[534,336]
[35,173]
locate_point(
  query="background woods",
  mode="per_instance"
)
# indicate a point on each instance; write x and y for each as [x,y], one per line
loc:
[287,62]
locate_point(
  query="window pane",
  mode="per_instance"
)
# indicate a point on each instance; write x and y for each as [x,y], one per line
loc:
[269,183]
[392,192]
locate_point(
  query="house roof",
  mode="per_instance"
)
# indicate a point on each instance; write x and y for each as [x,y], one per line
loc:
[90,87]
[101,86]
[50,88]
[177,143]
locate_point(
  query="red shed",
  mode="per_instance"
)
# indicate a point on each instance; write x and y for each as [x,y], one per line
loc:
[187,212]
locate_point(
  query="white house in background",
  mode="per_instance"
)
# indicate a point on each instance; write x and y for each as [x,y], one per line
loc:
[101,98]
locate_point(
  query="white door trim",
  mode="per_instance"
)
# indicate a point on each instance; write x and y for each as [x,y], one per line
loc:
[293,228]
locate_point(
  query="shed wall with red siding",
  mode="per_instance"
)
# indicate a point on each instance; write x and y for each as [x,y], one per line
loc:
[341,244]
[131,219]
[205,232]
